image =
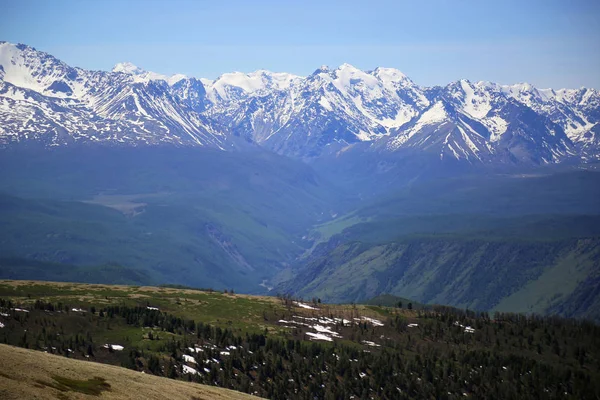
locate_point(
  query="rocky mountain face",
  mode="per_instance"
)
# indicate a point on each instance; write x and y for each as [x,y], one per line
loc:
[45,101]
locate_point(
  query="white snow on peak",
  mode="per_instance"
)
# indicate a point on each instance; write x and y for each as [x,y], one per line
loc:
[547,94]
[348,75]
[128,68]
[434,115]
[19,66]
[531,96]
[523,87]
[476,102]
[228,86]
[149,76]
[173,79]
[497,126]
[141,75]
[347,66]
[389,75]
[374,98]
[375,103]
[394,80]
[553,102]
[522,92]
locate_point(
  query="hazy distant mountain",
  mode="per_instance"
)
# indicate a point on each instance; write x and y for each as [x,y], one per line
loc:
[45,101]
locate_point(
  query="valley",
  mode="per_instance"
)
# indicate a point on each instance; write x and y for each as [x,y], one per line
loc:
[233,221]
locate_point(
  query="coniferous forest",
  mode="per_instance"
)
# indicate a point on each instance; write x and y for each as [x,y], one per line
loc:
[439,352]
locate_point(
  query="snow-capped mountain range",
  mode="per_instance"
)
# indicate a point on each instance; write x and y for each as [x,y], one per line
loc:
[45,101]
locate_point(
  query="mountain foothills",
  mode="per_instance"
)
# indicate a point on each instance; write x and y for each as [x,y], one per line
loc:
[342,185]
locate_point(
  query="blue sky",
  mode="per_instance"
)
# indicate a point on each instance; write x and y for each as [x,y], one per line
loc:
[547,43]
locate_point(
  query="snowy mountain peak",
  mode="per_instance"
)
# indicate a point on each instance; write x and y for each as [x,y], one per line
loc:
[128,68]
[26,67]
[322,69]
[234,86]
[42,98]
[523,87]
[348,76]
[346,66]
[389,74]
[141,75]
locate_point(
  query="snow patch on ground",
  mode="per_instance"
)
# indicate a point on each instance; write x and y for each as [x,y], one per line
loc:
[189,370]
[322,329]
[116,347]
[373,321]
[319,336]
[303,305]
[468,329]
[189,359]
[369,343]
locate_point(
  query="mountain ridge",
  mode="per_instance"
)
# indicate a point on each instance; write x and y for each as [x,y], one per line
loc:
[42,99]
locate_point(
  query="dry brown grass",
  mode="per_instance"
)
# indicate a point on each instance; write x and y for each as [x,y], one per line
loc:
[29,374]
[141,291]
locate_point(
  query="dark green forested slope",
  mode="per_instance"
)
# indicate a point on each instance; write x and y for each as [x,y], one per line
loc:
[538,276]
[526,244]
[203,218]
[442,353]
[165,243]
[111,273]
